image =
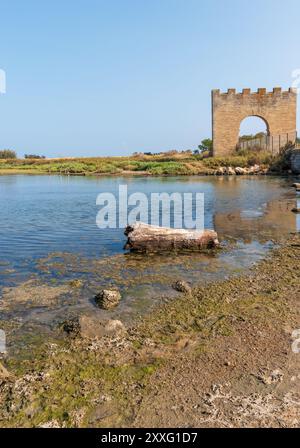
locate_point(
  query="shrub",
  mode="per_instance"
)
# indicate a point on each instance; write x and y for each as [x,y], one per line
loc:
[8,154]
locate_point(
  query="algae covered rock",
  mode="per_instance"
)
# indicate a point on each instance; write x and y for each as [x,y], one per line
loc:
[182,286]
[108,299]
[71,326]
[93,327]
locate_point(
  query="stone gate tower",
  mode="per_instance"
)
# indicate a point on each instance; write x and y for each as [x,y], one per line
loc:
[277,109]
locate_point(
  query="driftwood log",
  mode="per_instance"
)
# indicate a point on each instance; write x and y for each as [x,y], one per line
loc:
[147,238]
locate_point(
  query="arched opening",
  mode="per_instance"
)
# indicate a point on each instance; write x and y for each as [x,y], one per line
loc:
[253,135]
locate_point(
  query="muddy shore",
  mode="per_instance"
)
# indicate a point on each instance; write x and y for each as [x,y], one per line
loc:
[221,356]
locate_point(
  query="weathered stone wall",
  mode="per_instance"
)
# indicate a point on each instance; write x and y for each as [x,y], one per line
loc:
[277,109]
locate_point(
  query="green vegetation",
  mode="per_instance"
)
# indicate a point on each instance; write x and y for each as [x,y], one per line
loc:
[206,145]
[171,164]
[243,158]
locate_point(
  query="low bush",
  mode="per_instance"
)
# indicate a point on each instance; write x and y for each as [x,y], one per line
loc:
[7,154]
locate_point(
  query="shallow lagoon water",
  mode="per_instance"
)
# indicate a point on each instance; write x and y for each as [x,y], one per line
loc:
[48,235]
[44,214]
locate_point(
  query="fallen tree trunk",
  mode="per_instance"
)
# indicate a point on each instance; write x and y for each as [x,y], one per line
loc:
[147,238]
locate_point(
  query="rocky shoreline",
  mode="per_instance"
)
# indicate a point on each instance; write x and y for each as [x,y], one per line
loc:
[239,171]
[219,355]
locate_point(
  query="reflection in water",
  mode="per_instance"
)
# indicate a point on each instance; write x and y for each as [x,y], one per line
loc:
[262,208]
[273,221]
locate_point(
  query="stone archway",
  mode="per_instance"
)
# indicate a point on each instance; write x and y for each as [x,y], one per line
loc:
[254,134]
[258,119]
[277,109]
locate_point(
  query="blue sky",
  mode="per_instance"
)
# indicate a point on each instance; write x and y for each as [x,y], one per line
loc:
[112,77]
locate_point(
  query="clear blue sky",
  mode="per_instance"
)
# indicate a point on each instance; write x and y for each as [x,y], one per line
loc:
[110,77]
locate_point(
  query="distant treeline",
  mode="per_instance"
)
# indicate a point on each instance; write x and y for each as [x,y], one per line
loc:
[9,154]
[244,138]
[33,156]
[205,146]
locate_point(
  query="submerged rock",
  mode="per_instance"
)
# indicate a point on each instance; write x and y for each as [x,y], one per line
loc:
[108,298]
[32,294]
[76,283]
[71,326]
[182,286]
[93,327]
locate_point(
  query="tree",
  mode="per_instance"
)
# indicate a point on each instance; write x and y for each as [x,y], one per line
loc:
[33,156]
[206,145]
[8,154]
[260,135]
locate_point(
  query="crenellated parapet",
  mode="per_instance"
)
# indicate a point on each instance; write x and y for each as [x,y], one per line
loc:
[259,92]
